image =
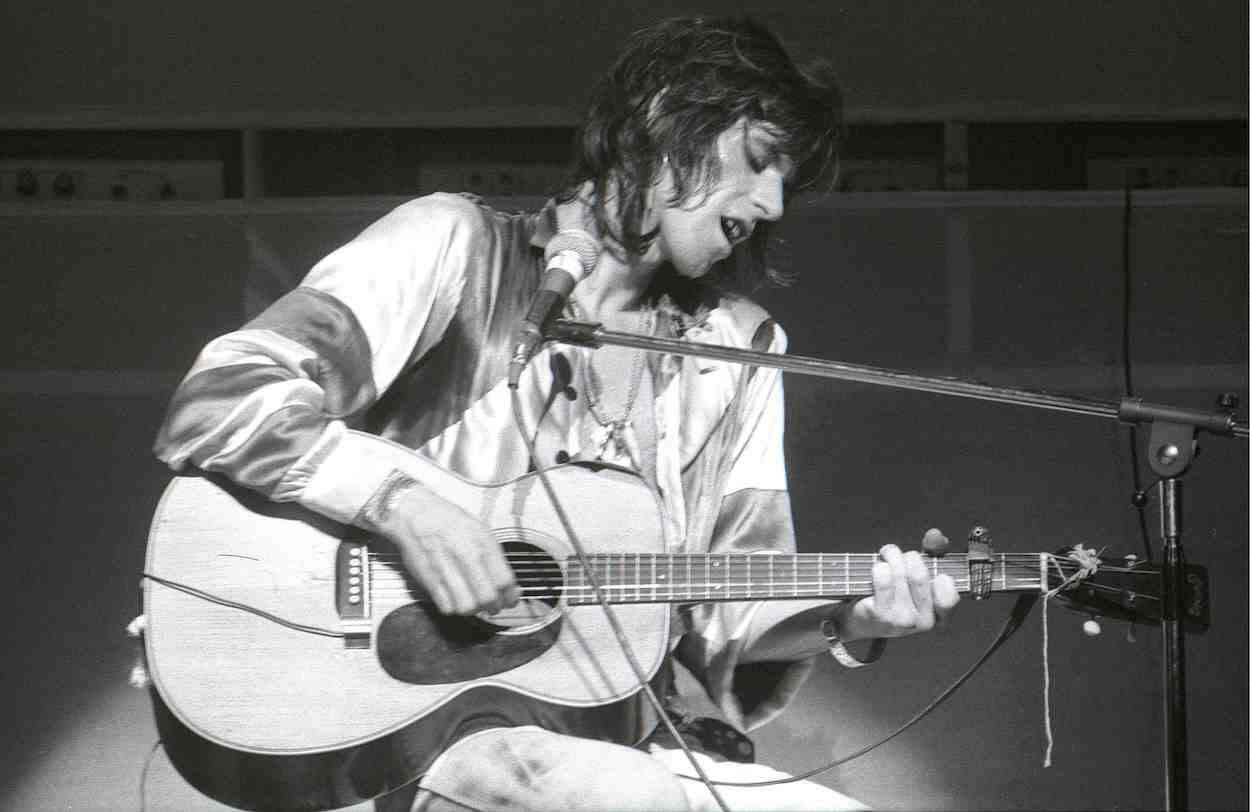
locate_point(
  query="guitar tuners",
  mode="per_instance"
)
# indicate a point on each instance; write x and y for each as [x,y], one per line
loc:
[935,543]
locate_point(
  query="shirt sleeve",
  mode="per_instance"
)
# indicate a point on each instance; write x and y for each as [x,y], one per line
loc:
[268,405]
[753,516]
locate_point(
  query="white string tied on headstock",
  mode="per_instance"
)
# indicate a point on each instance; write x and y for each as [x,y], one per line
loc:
[1087,561]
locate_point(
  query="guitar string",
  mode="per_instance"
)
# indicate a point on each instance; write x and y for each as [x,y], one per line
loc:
[395,583]
[829,570]
[1028,561]
[400,595]
[730,592]
[538,569]
[747,589]
[736,575]
[702,574]
[575,580]
[743,575]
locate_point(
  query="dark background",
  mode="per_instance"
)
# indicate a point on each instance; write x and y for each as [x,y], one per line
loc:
[322,119]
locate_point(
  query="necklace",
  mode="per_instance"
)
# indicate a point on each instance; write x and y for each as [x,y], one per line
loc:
[609,437]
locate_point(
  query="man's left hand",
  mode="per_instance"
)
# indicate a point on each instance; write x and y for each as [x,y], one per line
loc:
[905,599]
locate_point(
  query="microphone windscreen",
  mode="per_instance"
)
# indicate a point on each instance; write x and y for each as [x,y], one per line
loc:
[577,241]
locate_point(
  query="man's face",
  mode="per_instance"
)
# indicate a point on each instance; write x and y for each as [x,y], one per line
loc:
[703,230]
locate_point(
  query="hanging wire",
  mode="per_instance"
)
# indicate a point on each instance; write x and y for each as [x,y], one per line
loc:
[1140,497]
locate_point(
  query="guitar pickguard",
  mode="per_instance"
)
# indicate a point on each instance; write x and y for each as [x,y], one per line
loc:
[416,644]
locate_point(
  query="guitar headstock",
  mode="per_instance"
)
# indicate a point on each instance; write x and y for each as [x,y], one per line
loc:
[1126,588]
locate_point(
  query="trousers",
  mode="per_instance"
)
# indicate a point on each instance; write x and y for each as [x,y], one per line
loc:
[530,769]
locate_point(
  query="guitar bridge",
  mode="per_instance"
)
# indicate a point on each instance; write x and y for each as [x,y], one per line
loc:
[351,586]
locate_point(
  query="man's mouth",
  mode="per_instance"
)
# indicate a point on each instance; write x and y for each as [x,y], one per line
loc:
[734,231]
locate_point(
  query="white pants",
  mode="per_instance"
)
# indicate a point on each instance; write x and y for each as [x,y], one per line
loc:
[529,769]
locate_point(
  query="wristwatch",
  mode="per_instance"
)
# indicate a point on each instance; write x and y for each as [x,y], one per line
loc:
[829,628]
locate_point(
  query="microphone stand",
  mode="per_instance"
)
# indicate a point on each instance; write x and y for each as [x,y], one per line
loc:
[1171,450]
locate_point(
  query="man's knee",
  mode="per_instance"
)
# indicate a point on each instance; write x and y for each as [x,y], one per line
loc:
[523,769]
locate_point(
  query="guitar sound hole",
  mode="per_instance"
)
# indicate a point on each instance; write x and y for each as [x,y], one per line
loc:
[542,584]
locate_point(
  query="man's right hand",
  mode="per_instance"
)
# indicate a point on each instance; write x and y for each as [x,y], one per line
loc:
[449,552]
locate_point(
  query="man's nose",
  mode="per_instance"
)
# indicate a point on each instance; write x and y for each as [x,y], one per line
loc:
[769,194]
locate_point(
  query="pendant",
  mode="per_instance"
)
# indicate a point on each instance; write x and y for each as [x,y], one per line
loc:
[609,439]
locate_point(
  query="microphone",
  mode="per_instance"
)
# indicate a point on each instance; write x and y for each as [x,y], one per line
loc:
[571,255]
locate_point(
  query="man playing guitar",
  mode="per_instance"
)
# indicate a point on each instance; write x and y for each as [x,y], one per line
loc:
[393,353]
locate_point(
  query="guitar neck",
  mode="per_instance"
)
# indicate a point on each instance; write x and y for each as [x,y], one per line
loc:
[677,578]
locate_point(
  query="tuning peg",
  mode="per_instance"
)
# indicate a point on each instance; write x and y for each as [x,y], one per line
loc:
[1092,627]
[935,543]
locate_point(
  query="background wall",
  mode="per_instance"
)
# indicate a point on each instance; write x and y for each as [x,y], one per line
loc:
[499,60]
[103,305]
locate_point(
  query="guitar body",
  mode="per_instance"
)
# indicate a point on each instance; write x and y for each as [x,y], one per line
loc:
[262,715]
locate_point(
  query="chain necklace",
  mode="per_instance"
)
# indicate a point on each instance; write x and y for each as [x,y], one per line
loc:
[610,434]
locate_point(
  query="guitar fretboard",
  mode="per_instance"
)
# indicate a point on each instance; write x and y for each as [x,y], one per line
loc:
[658,578]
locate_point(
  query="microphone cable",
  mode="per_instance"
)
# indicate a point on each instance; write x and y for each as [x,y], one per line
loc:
[602,601]
[1019,612]
[1024,603]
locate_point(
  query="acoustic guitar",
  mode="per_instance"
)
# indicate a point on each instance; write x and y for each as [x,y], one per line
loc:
[295,665]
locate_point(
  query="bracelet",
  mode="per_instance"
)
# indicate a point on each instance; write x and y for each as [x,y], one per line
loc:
[828,627]
[378,509]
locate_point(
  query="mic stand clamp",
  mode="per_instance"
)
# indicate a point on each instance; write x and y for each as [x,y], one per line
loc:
[1171,450]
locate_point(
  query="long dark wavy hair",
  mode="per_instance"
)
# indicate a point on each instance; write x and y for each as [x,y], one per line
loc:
[676,86]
